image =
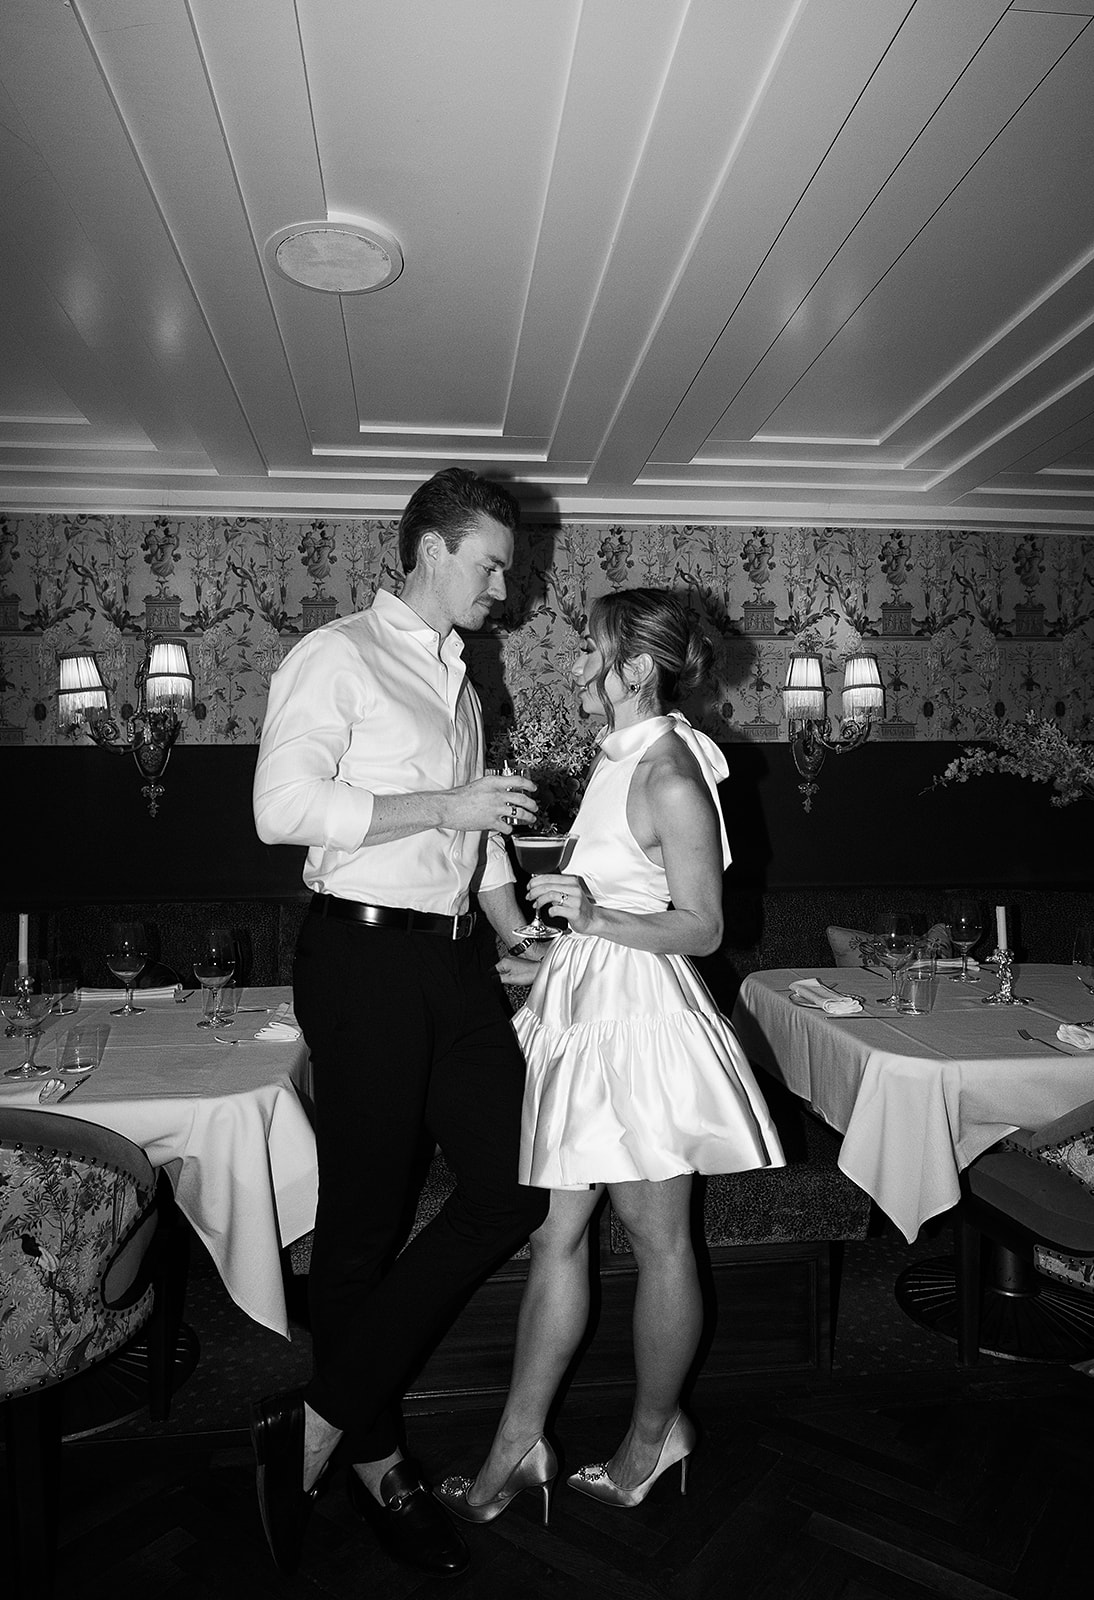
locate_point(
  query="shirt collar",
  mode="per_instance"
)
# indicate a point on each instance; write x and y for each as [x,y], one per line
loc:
[398,615]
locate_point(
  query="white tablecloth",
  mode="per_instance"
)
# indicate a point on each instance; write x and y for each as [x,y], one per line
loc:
[918,1098]
[224,1120]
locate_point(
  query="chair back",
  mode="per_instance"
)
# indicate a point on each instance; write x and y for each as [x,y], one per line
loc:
[78,1223]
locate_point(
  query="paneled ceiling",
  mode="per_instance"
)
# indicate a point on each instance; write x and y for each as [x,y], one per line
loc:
[722,261]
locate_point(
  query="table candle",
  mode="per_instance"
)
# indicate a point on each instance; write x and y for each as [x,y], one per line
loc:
[1001,928]
[24,941]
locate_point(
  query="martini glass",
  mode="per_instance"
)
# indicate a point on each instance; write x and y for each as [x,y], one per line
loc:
[536,853]
[28,992]
[894,945]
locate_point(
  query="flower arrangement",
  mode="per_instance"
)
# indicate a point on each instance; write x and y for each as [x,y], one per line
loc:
[1035,749]
[542,736]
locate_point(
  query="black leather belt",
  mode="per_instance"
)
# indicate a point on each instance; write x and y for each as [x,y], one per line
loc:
[329,905]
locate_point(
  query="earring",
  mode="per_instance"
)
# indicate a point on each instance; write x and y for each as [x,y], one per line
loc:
[632,688]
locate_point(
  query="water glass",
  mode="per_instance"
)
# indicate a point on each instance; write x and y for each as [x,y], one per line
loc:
[80,1050]
[227,1005]
[918,983]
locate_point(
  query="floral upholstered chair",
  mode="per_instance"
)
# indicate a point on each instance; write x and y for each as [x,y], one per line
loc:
[78,1221]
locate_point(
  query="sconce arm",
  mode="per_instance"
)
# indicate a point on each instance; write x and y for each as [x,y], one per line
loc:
[105,732]
[811,741]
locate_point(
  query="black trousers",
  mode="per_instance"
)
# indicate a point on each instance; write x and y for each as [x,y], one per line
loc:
[410,1035]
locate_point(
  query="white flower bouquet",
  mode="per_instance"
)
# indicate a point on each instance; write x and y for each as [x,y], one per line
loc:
[1036,749]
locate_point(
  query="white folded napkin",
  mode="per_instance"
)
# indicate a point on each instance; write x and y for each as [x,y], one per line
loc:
[811,992]
[282,1026]
[98,997]
[55,1089]
[953,964]
[1074,1034]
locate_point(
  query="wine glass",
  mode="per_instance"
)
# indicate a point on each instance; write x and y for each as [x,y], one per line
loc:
[1083,960]
[214,960]
[966,927]
[28,993]
[541,852]
[126,957]
[893,944]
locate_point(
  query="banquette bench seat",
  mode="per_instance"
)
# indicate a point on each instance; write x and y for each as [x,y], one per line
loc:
[775,928]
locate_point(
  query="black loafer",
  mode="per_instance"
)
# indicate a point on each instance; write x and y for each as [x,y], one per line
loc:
[410,1524]
[277,1433]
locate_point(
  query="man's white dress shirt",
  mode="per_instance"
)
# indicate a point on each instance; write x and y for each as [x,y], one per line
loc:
[375,704]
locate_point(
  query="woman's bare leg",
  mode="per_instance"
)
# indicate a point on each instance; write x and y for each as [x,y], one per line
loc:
[554,1310]
[668,1315]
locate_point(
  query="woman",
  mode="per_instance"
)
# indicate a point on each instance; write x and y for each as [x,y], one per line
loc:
[635,1081]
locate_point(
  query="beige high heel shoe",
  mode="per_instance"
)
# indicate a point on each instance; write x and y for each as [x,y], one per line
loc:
[677,1445]
[536,1469]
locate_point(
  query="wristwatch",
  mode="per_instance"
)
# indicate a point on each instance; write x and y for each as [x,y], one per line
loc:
[519,949]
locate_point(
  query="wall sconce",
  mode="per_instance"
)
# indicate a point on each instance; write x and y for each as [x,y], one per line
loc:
[804,698]
[165,690]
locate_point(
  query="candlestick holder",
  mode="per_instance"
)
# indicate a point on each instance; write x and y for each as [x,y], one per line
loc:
[1004,995]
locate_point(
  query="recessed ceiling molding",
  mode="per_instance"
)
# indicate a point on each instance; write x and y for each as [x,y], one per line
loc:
[26,419]
[791,484]
[836,463]
[400,429]
[425,453]
[830,441]
[336,255]
[1063,493]
[364,475]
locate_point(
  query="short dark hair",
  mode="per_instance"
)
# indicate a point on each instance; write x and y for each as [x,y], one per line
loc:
[634,622]
[451,504]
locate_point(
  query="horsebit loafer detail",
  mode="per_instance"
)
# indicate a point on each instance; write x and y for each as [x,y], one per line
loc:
[410,1524]
[277,1433]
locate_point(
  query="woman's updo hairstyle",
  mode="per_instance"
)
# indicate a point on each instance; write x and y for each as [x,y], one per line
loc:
[634,622]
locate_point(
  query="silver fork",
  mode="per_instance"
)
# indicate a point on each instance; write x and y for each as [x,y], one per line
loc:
[1032,1039]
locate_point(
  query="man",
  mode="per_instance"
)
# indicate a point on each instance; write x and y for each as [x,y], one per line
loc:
[372,756]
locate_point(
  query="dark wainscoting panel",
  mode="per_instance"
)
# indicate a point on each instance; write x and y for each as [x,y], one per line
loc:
[80,831]
[87,835]
[877,820]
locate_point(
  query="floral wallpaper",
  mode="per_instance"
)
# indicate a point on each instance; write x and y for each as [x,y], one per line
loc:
[959,620]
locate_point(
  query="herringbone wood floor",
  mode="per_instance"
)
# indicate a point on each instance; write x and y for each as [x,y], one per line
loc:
[971,1485]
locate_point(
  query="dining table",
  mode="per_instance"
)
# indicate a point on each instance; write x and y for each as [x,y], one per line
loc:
[918,1097]
[220,1109]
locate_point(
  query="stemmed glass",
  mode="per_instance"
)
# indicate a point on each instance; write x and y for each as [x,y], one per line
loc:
[126,957]
[1083,959]
[966,927]
[214,963]
[893,944]
[28,993]
[536,853]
